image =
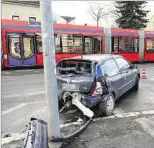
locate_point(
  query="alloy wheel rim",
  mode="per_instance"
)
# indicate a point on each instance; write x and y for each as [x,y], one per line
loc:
[110,104]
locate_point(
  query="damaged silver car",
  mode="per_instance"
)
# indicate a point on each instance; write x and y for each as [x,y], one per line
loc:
[92,83]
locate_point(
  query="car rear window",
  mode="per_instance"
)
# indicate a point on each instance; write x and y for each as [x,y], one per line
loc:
[74,66]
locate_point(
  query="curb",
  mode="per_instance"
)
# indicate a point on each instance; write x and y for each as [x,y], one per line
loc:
[126,115]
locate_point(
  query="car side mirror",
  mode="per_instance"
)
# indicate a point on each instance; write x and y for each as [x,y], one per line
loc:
[132,66]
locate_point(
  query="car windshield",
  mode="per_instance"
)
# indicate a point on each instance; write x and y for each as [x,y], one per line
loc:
[74,67]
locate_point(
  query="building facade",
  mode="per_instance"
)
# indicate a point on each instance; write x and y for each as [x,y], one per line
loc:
[150,25]
[25,11]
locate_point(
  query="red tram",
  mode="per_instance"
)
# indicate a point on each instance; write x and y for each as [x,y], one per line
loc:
[22,43]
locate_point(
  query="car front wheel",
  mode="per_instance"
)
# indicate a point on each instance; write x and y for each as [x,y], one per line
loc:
[136,86]
[106,106]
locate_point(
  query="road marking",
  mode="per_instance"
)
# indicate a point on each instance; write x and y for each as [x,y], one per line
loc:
[18,70]
[14,137]
[35,114]
[29,70]
[23,94]
[117,111]
[151,78]
[130,114]
[147,125]
[149,112]
[126,115]
[7,73]
[36,103]
[13,109]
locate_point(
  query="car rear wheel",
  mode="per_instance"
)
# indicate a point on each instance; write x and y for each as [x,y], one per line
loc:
[106,106]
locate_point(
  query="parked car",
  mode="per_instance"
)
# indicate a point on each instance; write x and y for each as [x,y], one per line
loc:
[98,79]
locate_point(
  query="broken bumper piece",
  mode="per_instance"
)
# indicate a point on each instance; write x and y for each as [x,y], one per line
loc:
[76,100]
[37,135]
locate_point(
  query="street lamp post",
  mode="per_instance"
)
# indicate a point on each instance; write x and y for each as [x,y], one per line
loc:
[49,68]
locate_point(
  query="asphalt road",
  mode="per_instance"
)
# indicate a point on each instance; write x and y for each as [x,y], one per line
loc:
[23,97]
[127,132]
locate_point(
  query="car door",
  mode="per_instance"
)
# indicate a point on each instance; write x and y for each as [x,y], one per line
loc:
[127,73]
[113,77]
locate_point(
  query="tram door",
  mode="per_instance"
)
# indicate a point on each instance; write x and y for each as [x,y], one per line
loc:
[21,51]
[92,45]
[97,45]
[88,45]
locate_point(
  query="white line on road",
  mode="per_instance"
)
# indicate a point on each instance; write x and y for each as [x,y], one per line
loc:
[23,94]
[35,114]
[13,109]
[149,112]
[147,124]
[31,103]
[129,114]
[118,111]
[14,137]
[7,73]
[126,115]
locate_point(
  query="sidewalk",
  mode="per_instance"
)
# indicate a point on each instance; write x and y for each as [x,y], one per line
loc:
[129,132]
[110,132]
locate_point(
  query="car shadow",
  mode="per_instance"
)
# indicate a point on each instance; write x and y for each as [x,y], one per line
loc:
[124,97]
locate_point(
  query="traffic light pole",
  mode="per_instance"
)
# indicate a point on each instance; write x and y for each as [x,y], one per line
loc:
[49,68]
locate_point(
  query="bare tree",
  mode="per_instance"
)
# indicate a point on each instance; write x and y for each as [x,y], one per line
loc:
[113,12]
[97,13]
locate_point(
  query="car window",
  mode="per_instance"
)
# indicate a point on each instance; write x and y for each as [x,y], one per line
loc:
[74,66]
[110,67]
[122,63]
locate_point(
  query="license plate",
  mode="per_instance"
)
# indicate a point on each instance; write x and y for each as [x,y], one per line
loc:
[69,86]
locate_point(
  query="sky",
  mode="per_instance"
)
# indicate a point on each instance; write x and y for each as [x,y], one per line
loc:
[79,10]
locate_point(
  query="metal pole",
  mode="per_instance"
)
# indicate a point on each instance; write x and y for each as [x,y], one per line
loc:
[49,68]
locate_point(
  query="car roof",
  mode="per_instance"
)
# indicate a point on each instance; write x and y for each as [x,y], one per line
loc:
[95,57]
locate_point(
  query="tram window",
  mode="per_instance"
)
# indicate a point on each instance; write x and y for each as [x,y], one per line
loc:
[88,45]
[136,45]
[71,43]
[39,44]
[67,43]
[128,44]
[15,17]
[57,43]
[28,43]
[32,19]
[123,44]
[114,44]
[150,45]
[14,47]
[97,45]
[77,44]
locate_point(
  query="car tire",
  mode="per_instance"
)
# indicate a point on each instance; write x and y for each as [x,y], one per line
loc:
[106,106]
[136,86]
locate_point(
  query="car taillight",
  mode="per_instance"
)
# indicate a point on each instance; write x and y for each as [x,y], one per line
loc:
[97,90]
